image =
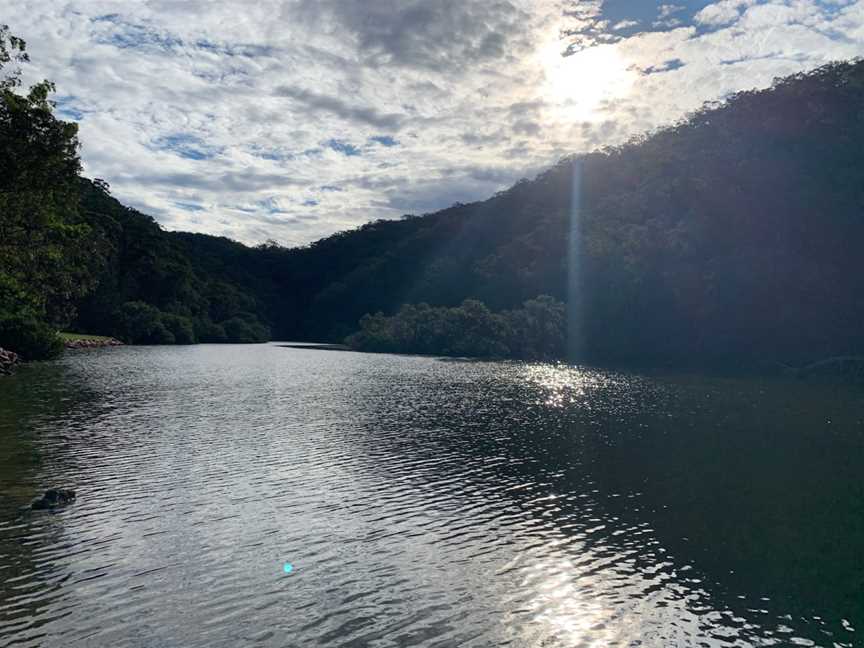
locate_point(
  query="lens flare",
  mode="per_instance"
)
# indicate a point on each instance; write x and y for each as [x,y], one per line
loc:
[575,333]
[577,86]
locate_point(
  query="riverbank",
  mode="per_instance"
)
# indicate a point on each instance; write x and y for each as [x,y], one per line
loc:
[83,341]
[9,360]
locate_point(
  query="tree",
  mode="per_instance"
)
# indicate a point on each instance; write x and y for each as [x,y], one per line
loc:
[44,266]
[138,323]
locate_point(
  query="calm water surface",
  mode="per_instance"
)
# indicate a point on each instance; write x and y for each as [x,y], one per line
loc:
[424,502]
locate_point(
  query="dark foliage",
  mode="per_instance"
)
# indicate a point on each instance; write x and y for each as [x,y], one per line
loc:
[42,268]
[245,328]
[168,287]
[537,331]
[30,338]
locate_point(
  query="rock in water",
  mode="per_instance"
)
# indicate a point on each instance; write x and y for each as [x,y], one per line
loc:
[8,360]
[53,498]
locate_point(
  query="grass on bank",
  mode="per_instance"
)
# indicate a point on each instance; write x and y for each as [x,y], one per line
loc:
[72,337]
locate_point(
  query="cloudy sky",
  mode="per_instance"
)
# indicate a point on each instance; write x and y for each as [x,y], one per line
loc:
[293,119]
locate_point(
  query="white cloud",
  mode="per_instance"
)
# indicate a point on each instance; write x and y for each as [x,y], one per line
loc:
[260,123]
[723,12]
[666,10]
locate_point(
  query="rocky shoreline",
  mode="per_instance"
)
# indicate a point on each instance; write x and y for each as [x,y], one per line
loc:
[84,343]
[8,361]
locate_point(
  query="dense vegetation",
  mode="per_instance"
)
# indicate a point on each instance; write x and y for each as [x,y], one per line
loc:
[537,331]
[151,288]
[731,237]
[41,232]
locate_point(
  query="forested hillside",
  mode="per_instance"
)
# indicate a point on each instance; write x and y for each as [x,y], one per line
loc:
[158,287]
[732,237]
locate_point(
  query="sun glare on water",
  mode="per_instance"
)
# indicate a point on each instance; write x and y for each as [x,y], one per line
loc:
[577,85]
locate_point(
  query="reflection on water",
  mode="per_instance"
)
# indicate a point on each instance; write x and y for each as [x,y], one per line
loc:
[423,503]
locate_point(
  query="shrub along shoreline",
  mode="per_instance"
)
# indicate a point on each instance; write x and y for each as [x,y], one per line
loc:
[30,339]
[537,331]
[34,341]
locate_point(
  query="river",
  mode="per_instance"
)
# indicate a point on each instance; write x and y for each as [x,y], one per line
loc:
[267,496]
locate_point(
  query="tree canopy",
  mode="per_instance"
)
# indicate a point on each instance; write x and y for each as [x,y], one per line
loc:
[537,331]
[40,230]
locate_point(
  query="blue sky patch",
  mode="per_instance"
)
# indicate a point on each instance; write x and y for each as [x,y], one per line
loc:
[128,35]
[345,148]
[247,50]
[271,205]
[187,146]
[67,108]
[666,66]
[275,155]
[646,13]
[186,206]
[112,18]
[384,140]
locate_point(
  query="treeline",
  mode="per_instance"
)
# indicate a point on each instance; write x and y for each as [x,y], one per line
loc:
[731,237]
[537,331]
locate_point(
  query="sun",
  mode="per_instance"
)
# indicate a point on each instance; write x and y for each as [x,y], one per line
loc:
[577,85]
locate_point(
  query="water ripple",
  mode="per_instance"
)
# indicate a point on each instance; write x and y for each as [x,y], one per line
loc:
[422,503]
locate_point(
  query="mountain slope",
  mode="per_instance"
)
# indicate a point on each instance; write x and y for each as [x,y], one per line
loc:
[734,234]
[158,287]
